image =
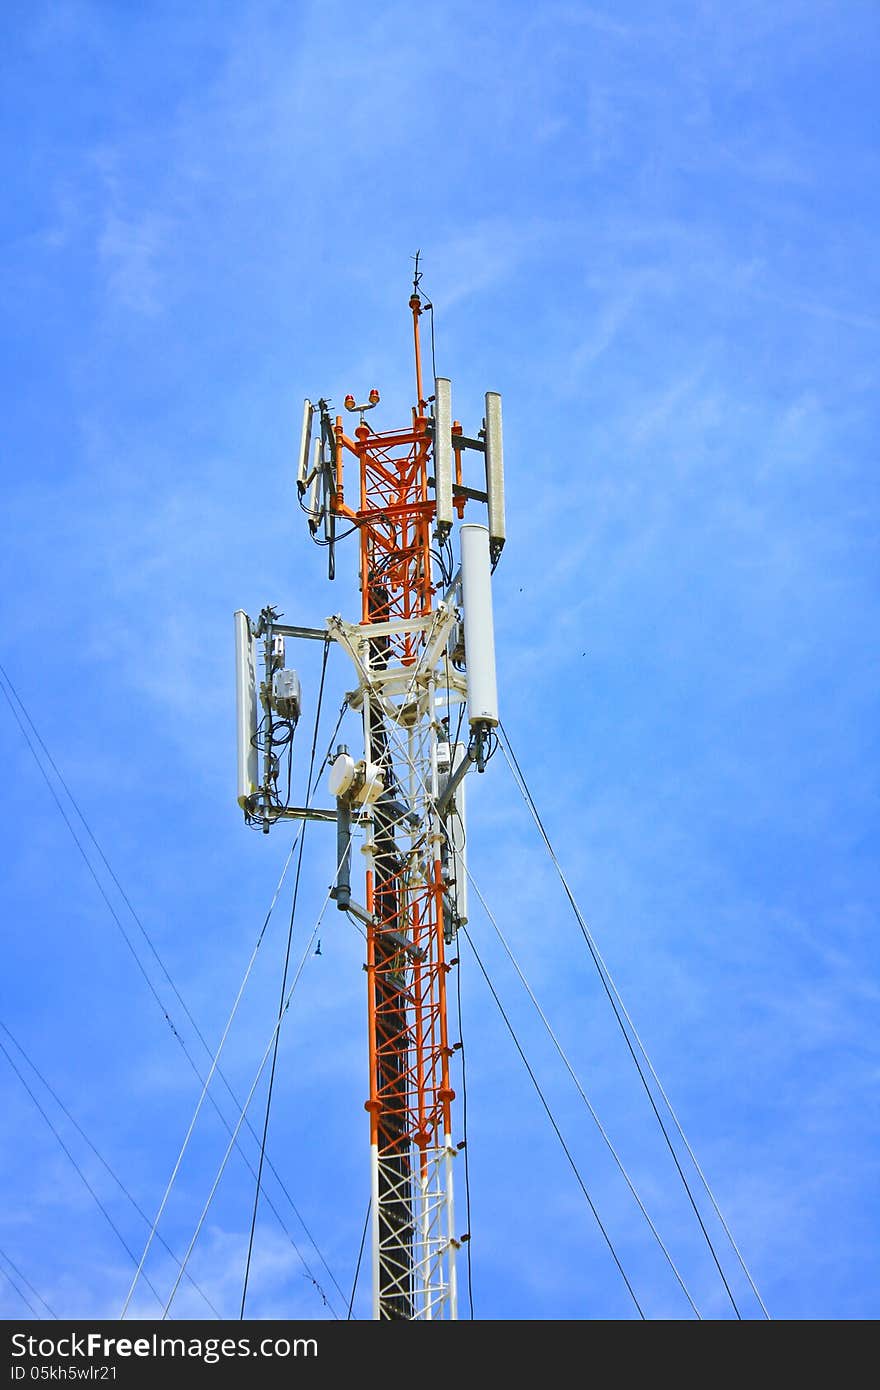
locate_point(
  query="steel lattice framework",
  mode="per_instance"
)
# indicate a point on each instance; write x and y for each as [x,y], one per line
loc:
[405,681]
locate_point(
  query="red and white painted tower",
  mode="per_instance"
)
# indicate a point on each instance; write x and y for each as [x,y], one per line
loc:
[423,653]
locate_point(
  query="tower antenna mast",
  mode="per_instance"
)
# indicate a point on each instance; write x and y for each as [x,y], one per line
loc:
[423,652]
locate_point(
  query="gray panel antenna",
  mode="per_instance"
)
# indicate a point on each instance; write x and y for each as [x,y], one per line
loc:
[443,453]
[248,781]
[495,473]
[304,442]
[313,483]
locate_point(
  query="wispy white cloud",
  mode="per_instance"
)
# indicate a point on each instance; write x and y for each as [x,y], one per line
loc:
[131,250]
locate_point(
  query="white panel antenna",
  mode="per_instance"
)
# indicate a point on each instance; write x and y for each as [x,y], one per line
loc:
[479,632]
[305,440]
[246,709]
[443,453]
[495,473]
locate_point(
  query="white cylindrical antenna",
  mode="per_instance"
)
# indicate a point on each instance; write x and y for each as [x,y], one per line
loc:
[313,482]
[479,634]
[443,453]
[245,709]
[458,837]
[495,473]
[305,440]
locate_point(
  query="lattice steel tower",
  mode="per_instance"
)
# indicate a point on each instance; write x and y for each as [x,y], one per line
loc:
[423,652]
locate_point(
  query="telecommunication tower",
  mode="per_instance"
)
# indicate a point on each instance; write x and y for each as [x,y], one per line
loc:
[423,654]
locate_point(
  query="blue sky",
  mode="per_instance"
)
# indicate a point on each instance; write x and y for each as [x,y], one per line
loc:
[654,230]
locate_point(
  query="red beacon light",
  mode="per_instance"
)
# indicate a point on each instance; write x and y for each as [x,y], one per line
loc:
[373,399]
